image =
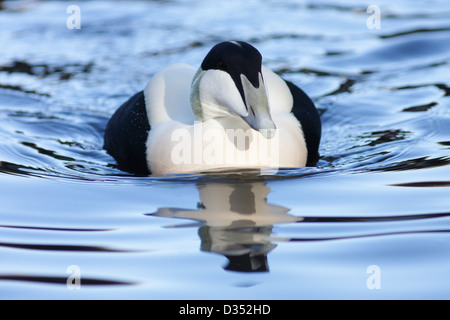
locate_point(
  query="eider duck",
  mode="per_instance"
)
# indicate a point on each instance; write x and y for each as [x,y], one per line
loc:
[231,113]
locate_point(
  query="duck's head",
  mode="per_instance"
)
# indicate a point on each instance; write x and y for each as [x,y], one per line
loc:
[230,83]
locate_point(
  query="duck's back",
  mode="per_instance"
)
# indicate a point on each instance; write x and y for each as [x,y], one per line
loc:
[167,95]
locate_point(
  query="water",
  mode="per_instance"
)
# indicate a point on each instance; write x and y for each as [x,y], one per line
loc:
[371,221]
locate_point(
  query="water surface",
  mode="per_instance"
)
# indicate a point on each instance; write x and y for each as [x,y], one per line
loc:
[379,198]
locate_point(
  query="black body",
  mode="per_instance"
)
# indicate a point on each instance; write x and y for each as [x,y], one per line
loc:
[308,116]
[126,135]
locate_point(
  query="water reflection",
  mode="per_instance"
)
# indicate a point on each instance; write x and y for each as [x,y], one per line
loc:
[235,220]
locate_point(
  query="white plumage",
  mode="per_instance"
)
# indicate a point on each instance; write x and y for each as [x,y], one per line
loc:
[174,127]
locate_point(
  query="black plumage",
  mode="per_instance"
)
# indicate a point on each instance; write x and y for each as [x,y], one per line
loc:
[308,116]
[126,135]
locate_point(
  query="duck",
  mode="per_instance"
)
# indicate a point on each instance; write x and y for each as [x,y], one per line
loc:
[232,112]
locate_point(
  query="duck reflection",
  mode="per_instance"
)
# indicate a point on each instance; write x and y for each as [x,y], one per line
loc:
[235,221]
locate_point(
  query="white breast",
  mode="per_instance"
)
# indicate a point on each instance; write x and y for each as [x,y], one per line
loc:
[179,144]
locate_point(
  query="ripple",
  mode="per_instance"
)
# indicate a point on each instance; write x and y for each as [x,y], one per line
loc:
[376,219]
[416,164]
[382,234]
[424,184]
[399,53]
[52,247]
[54,229]
[61,280]
[421,30]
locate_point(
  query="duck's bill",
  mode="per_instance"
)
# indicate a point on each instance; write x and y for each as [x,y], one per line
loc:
[257,104]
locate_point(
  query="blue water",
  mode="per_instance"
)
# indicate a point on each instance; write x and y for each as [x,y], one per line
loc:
[371,221]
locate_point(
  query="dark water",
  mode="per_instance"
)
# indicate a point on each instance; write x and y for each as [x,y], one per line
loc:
[371,221]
